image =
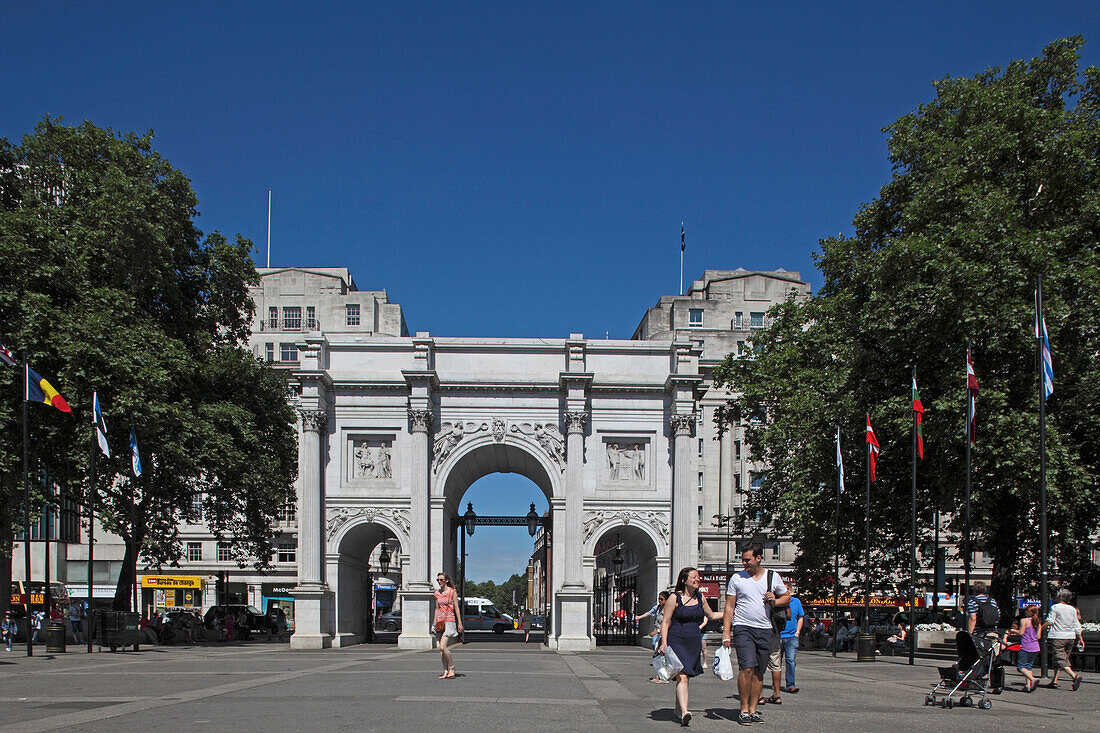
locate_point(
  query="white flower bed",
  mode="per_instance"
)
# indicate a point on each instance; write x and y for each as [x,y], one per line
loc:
[936,627]
[1091,625]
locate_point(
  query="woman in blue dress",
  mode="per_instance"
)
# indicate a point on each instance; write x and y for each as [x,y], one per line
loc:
[686,613]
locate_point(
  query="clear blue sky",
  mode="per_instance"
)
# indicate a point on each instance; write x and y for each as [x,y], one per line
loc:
[517,168]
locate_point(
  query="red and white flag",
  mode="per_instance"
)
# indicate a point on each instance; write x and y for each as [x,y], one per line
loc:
[872,448]
[971,395]
[6,356]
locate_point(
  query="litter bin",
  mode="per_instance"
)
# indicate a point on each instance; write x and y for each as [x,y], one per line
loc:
[865,648]
[55,638]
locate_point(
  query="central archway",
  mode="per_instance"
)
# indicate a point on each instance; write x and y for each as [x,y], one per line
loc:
[475,460]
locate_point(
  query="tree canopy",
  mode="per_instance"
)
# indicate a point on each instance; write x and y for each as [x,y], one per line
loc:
[996,182]
[109,286]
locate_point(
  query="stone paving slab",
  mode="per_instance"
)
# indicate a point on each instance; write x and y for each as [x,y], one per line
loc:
[500,687]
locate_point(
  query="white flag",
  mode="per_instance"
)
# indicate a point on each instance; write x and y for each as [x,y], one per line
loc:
[839,461]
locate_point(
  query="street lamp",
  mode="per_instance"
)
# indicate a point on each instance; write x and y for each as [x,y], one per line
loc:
[532,521]
[617,558]
[469,518]
[384,558]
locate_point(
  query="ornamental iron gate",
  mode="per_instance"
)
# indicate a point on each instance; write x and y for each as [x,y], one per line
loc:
[616,605]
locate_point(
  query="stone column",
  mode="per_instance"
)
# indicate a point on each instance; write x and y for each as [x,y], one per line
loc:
[683,496]
[573,604]
[574,499]
[416,599]
[312,596]
[420,423]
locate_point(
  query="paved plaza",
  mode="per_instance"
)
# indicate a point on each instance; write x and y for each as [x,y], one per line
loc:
[502,686]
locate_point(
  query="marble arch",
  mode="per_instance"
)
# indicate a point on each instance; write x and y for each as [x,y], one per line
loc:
[394,429]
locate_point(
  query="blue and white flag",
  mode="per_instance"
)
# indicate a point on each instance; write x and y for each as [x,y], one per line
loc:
[100,426]
[135,459]
[1048,362]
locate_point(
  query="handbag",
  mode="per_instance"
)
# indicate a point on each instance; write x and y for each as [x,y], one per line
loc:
[440,627]
[779,616]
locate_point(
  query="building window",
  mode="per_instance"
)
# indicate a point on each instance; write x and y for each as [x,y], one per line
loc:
[196,506]
[352,314]
[738,320]
[223,552]
[740,348]
[756,320]
[273,318]
[700,515]
[757,480]
[194,551]
[737,450]
[288,552]
[286,513]
[311,318]
[292,318]
[775,552]
[288,352]
[695,317]
[700,481]
[700,447]
[736,482]
[269,351]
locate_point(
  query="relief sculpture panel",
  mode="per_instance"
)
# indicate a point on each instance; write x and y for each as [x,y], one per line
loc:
[625,461]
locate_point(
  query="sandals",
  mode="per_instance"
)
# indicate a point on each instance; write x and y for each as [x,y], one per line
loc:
[1076,682]
[685,720]
[791,690]
[773,700]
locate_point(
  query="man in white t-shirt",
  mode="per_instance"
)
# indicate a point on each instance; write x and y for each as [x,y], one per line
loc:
[750,597]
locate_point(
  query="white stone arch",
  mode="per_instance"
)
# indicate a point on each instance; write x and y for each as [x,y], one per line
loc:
[610,519]
[511,454]
[350,544]
[647,545]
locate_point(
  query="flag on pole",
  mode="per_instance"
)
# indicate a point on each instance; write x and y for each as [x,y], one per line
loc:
[972,395]
[39,390]
[100,425]
[839,461]
[1048,362]
[135,459]
[6,357]
[683,242]
[872,448]
[918,411]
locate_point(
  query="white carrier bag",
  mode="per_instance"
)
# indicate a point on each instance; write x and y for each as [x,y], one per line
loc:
[723,667]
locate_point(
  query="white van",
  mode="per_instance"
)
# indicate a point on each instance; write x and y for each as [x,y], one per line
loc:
[479,614]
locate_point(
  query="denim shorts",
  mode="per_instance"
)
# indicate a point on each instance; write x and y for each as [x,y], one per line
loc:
[753,646]
[1025,660]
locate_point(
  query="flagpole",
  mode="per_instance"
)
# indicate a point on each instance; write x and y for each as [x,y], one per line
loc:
[91,527]
[682,246]
[836,545]
[1044,591]
[913,536]
[27,504]
[966,511]
[269,227]
[867,543]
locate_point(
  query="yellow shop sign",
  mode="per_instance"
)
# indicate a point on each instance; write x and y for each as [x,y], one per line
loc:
[171,581]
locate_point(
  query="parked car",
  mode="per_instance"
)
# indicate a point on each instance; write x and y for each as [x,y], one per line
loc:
[479,614]
[389,621]
[538,623]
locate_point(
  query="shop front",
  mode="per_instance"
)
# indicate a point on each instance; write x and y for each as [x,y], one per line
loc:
[160,593]
[278,596]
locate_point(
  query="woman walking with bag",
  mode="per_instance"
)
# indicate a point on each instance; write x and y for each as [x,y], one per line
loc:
[685,610]
[448,622]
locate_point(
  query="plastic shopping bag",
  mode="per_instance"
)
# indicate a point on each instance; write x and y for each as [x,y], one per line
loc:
[723,667]
[668,665]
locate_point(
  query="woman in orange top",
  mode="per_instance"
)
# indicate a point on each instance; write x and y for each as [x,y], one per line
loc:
[448,622]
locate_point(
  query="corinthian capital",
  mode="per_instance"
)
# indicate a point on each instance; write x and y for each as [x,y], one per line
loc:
[420,420]
[575,422]
[313,421]
[681,424]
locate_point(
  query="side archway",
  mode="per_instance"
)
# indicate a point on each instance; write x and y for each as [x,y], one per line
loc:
[355,574]
[619,596]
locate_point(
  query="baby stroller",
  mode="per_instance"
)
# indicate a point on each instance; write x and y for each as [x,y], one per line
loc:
[978,672]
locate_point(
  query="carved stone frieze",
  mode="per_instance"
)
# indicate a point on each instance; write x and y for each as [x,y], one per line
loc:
[625,461]
[548,437]
[498,429]
[594,520]
[681,424]
[450,435]
[420,420]
[313,421]
[339,516]
[371,459]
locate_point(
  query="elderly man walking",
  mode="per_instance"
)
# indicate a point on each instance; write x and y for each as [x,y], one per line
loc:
[751,597]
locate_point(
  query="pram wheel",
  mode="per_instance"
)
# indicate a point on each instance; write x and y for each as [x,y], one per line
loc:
[929,700]
[966,701]
[985,704]
[948,704]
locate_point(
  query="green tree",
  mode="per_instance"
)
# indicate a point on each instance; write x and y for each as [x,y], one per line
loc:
[108,285]
[996,181]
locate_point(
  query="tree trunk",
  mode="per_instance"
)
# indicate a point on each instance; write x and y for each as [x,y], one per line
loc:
[1005,549]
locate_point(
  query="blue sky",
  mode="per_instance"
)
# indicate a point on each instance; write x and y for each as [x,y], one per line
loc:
[515,168]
